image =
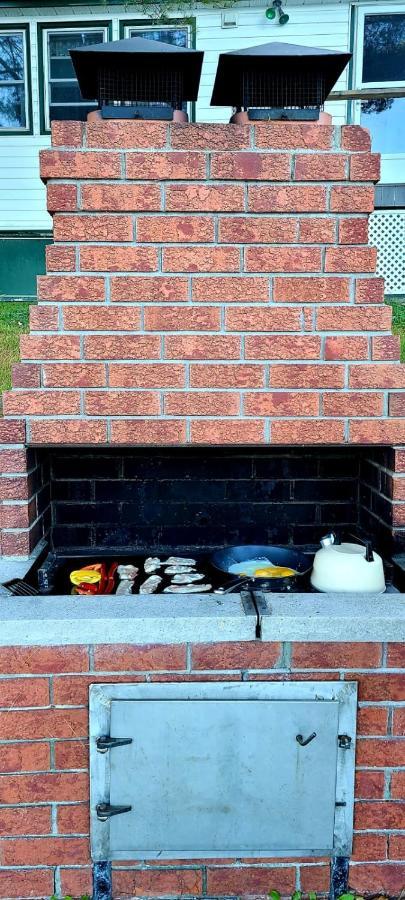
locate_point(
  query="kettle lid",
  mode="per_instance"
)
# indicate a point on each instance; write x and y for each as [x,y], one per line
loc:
[350,549]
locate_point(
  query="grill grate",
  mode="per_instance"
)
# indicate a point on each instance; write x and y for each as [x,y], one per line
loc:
[19,588]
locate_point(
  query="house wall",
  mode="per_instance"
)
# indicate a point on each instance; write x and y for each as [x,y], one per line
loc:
[44,812]
[22,196]
[322,23]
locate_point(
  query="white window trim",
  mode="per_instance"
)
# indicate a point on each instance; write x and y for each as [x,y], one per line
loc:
[46,67]
[393,164]
[21,129]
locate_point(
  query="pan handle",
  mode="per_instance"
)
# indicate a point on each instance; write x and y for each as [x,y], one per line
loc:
[227,588]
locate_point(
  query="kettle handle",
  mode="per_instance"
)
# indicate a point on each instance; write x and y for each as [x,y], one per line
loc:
[369,555]
[369,551]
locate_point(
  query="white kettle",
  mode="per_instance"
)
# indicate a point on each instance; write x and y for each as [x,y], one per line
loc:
[347,568]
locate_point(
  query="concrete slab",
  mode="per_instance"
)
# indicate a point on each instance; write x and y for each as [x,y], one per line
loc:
[160,619]
[163,619]
[334,617]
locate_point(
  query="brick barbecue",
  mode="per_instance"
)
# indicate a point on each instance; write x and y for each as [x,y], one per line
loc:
[207,285]
[210,291]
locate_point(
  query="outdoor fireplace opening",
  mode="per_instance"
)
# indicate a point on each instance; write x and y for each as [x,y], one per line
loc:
[153,500]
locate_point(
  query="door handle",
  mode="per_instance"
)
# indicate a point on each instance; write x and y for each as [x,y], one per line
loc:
[308,740]
[105,742]
[105,811]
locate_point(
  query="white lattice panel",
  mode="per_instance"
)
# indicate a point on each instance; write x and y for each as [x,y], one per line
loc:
[387,233]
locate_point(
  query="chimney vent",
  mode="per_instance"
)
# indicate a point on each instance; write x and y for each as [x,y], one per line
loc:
[277,80]
[137,78]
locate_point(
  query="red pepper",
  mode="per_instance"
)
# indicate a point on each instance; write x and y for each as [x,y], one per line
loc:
[111,578]
[84,588]
[106,583]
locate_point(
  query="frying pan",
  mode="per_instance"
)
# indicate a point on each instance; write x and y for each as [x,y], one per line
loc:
[280,556]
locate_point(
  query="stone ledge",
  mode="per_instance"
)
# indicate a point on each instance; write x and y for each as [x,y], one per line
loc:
[47,621]
[334,617]
[66,620]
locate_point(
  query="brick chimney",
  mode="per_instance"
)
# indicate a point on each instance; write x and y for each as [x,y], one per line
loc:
[207,284]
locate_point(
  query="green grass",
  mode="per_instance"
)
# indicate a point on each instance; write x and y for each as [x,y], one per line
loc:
[14,318]
[398,320]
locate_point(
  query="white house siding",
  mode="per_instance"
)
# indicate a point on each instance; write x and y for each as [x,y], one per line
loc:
[312,25]
[22,195]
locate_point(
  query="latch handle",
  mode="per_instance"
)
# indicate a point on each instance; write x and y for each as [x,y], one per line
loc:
[105,811]
[105,742]
[303,743]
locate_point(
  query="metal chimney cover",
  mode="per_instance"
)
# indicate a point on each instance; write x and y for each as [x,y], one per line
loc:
[136,59]
[276,75]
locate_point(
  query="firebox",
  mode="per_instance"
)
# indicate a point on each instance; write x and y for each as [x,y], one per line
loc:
[122,507]
[176,499]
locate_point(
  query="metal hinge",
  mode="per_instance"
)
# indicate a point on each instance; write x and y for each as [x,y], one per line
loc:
[105,811]
[105,742]
[344,741]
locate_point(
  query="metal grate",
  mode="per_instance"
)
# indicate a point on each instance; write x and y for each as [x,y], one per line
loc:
[387,233]
[19,588]
[150,85]
[266,89]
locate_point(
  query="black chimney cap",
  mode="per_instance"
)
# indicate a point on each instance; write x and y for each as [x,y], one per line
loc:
[288,62]
[132,54]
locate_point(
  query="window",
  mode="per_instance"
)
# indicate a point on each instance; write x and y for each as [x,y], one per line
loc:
[14,111]
[62,97]
[170,34]
[381,63]
[384,48]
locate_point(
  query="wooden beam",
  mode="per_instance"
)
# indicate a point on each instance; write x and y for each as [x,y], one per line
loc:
[389,93]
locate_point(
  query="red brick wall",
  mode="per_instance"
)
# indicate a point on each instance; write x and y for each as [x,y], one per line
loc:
[44,785]
[204,274]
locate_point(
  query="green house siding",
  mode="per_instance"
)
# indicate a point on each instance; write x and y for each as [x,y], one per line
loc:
[21,260]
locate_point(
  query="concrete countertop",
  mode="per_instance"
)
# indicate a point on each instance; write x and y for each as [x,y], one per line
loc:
[334,617]
[157,619]
[163,619]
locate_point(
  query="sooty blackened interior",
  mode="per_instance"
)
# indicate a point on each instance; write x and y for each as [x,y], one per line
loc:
[155,499]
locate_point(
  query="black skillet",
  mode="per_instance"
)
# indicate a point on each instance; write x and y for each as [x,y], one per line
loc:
[280,556]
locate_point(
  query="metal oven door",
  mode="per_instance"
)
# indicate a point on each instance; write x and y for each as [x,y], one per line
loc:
[222,770]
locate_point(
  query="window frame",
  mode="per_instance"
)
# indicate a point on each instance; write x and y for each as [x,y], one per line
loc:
[43,60]
[23,29]
[392,164]
[172,25]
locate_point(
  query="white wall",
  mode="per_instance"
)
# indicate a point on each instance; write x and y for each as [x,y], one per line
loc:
[22,195]
[316,26]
